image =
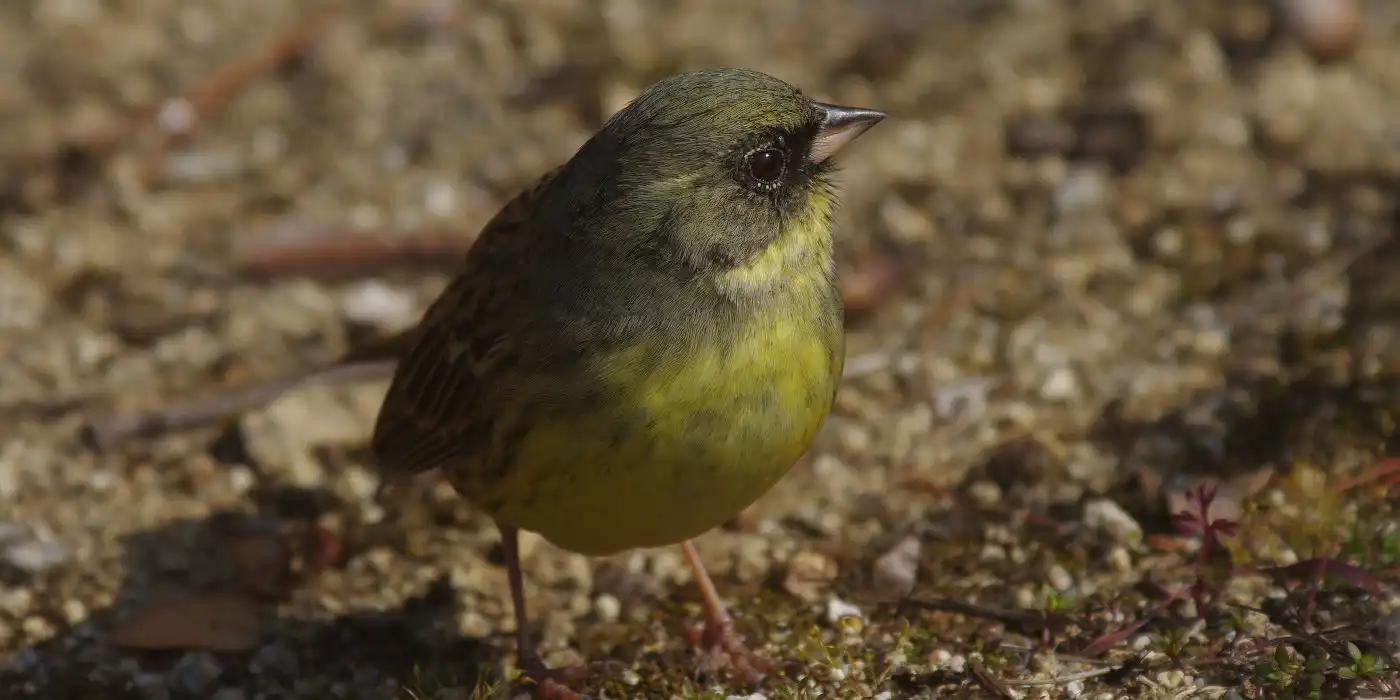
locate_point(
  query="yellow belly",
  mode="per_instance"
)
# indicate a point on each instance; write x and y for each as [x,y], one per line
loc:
[705,434]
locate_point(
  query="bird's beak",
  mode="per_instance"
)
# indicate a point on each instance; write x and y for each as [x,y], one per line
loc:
[840,126]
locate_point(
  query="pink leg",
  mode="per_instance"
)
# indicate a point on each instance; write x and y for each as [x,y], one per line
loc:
[719,632]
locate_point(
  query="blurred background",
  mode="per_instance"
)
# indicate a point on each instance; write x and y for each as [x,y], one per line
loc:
[1102,253]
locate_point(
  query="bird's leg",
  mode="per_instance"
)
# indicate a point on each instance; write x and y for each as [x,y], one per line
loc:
[719,632]
[549,682]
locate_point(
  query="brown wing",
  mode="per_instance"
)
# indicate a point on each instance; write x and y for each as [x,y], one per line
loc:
[432,415]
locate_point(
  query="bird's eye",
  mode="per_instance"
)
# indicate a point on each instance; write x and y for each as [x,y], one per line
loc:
[766,165]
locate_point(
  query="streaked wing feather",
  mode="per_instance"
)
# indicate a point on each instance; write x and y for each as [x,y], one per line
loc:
[433,414]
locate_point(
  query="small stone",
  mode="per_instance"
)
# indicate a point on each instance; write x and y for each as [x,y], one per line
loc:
[607,607]
[1059,578]
[195,672]
[440,199]
[1082,190]
[1024,598]
[992,552]
[241,479]
[151,686]
[1061,385]
[1107,516]
[957,663]
[36,628]
[229,694]
[838,610]
[809,574]
[74,611]
[362,483]
[1172,679]
[27,553]
[273,659]
[986,494]
[1329,30]
[896,571]
[1119,560]
[374,303]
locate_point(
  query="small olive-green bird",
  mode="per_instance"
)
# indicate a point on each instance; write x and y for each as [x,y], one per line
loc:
[642,344]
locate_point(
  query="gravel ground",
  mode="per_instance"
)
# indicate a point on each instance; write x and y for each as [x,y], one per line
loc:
[1101,252]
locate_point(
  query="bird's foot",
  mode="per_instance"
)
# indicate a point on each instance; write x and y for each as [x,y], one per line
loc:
[720,644]
[552,683]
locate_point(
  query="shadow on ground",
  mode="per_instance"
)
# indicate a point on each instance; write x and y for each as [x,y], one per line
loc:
[383,650]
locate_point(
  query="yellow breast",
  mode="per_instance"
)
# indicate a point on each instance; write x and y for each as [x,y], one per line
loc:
[708,426]
[705,438]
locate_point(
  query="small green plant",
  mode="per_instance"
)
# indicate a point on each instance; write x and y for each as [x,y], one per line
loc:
[426,686]
[1057,601]
[1368,546]
[1172,642]
[1362,665]
[1289,676]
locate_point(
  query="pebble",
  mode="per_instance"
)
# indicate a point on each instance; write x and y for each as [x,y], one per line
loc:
[74,611]
[204,166]
[838,610]
[374,303]
[23,551]
[1119,560]
[24,661]
[24,300]
[1025,598]
[440,198]
[992,552]
[1059,578]
[965,398]
[195,673]
[1060,385]
[1107,516]
[1328,29]
[896,571]
[273,659]
[1082,190]
[608,607]
[809,574]
[985,493]
[241,479]
[151,686]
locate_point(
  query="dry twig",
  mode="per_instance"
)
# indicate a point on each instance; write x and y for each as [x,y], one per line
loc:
[372,361]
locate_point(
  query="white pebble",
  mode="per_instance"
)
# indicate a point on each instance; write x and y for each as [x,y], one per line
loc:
[838,610]
[608,607]
[1061,385]
[440,199]
[374,303]
[1107,516]
[241,479]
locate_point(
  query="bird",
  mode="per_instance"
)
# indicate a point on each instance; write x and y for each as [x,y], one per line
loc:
[640,345]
